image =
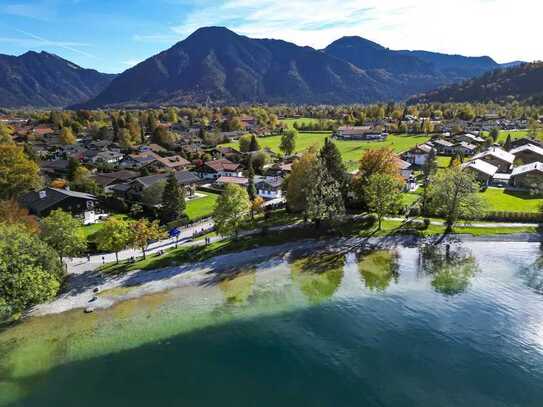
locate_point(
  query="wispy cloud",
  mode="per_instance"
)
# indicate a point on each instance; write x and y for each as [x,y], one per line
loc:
[43,42]
[472,27]
[43,10]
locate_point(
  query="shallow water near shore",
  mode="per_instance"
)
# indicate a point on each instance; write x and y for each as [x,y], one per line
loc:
[403,327]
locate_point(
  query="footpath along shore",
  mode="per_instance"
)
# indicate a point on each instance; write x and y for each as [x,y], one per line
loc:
[82,285]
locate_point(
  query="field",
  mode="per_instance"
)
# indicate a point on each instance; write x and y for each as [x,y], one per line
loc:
[201,207]
[499,200]
[351,151]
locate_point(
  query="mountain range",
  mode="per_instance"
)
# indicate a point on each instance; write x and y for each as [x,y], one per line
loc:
[46,80]
[523,83]
[217,65]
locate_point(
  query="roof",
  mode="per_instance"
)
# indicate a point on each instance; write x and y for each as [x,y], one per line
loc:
[498,153]
[55,165]
[274,182]
[222,165]
[473,138]
[402,165]
[182,177]
[232,180]
[426,148]
[442,142]
[346,130]
[524,169]
[482,166]
[48,197]
[467,145]
[527,147]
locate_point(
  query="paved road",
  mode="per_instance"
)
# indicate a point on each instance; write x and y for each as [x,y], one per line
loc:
[81,264]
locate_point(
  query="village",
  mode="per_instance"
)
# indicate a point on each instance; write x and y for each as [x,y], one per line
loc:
[115,177]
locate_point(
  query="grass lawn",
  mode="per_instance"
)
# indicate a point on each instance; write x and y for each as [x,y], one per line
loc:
[201,207]
[443,162]
[90,231]
[500,200]
[514,134]
[351,151]
[302,120]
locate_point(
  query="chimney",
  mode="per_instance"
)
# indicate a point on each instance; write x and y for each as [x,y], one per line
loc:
[43,194]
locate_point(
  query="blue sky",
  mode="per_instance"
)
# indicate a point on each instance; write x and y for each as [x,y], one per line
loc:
[112,35]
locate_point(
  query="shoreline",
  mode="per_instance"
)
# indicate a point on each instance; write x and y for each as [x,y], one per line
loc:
[139,283]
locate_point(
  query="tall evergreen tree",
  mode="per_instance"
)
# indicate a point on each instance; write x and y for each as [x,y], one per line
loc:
[508,143]
[333,162]
[251,188]
[173,200]
[254,146]
[324,198]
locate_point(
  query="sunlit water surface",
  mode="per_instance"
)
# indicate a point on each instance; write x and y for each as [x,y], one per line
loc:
[408,327]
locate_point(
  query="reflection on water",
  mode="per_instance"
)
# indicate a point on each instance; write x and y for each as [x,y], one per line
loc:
[318,275]
[378,268]
[451,268]
[432,326]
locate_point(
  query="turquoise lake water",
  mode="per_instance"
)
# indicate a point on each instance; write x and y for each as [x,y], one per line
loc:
[407,327]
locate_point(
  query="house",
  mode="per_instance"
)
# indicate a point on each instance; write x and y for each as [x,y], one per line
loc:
[364,133]
[137,161]
[527,154]
[469,138]
[269,187]
[55,168]
[228,153]
[405,167]
[481,170]
[221,182]
[418,155]
[106,157]
[443,147]
[219,168]
[134,189]
[111,178]
[527,176]
[497,157]
[519,142]
[42,202]
[465,149]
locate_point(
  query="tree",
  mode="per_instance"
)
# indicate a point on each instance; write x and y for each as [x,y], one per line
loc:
[428,170]
[257,206]
[143,232]
[12,214]
[82,181]
[453,194]
[259,159]
[67,136]
[288,142]
[60,230]
[115,235]
[494,134]
[383,195]
[245,143]
[30,270]
[333,162]
[251,188]
[254,146]
[508,143]
[324,197]
[380,161]
[5,134]
[231,210]
[152,196]
[173,200]
[298,183]
[163,137]
[18,174]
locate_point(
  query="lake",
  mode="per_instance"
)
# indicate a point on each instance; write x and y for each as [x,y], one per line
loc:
[458,326]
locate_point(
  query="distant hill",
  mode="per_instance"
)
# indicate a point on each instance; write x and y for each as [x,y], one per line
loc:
[411,71]
[46,80]
[523,83]
[219,65]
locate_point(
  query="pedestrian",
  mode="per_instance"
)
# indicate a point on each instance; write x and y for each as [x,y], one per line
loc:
[88,258]
[103,260]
